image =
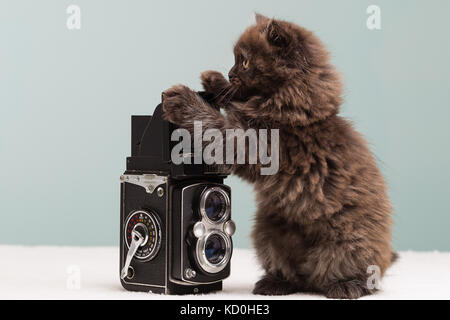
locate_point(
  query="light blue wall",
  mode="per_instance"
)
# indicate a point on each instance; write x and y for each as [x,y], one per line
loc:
[66,98]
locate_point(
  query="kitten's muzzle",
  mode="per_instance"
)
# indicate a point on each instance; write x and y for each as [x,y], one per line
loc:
[235,81]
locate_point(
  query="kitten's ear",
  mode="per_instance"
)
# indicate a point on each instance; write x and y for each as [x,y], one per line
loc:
[260,19]
[277,35]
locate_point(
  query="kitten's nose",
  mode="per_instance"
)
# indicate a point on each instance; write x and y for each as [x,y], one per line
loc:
[234,80]
[231,74]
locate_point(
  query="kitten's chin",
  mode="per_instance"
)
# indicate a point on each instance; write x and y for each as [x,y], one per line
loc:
[240,96]
[244,94]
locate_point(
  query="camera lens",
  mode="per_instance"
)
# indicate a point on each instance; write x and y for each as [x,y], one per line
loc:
[215,204]
[215,249]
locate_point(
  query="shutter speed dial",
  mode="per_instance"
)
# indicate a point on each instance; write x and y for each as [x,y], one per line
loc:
[146,224]
[142,237]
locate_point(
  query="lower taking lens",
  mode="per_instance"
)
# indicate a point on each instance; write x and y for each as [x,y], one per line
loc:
[215,248]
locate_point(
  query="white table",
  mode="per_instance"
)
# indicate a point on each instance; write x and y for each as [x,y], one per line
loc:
[52,273]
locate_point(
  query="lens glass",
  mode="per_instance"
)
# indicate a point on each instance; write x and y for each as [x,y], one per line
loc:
[215,249]
[215,206]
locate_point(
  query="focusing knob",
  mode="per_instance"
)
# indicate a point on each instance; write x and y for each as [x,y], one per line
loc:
[229,227]
[199,229]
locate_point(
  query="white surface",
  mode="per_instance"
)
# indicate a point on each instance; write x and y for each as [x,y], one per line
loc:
[44,273]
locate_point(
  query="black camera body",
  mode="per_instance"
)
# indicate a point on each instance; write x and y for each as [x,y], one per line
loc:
[175,220]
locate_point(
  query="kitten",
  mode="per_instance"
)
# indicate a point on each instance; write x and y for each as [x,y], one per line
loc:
[324,218]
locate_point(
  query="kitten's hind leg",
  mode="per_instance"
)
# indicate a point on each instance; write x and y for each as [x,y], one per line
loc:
[350,289]
[271,285]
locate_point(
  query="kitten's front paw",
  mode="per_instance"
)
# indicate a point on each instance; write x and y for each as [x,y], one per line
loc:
[178,104]
[272,286]
[214,82]
[352,289]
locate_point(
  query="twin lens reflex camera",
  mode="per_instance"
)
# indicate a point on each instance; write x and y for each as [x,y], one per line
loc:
[175,220]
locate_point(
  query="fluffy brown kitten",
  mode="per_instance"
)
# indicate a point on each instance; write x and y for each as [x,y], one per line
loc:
[324,218]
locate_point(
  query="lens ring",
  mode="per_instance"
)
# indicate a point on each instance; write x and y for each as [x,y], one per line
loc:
[215,204]
[214,251]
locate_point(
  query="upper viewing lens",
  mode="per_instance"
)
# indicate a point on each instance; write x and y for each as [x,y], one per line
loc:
[215,206]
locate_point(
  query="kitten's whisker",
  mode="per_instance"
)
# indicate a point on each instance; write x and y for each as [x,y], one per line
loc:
[221,92]
[222,98]
[229,95]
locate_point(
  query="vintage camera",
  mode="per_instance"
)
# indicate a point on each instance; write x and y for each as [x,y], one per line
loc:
[175,220]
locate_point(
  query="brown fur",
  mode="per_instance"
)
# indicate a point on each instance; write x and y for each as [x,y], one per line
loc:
[325,217]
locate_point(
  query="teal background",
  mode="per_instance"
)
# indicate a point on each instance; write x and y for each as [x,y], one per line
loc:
[66,98]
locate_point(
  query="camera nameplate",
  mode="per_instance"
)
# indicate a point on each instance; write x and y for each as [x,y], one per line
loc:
[148,181]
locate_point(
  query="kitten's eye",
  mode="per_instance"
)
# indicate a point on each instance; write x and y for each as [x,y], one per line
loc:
[246,63]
